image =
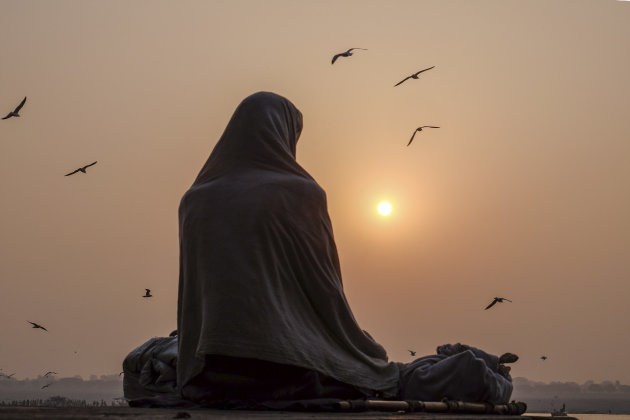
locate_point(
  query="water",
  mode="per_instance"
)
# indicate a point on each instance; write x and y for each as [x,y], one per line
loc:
[589,416]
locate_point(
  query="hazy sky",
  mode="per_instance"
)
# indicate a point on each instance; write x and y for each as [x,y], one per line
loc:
[524,191]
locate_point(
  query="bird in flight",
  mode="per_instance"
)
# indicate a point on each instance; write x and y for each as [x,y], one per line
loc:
[50,373]
[413,353]
[419,129]
[8,376]
[543,358]
[497,299]
[148,293]
[15,112]
[413,76]
[82,169]
[47,385]
[37,325]
[345,54]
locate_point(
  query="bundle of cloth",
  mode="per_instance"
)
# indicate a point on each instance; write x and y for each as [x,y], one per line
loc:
[151,369]
[262,313]
[456,372]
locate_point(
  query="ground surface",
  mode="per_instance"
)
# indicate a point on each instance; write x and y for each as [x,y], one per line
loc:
[127,413]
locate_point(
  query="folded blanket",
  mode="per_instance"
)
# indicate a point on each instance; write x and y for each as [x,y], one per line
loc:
[151,369]
[457,372]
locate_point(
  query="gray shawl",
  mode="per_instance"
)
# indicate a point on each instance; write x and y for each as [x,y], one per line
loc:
[259,270]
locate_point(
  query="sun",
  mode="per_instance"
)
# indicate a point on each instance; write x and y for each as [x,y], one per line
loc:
[384,208]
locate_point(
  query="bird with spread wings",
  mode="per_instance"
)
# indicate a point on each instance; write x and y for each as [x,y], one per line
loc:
[81,169]
[413,76]
[419,129]
[35,325]
[497,300]
[345,54]
[15,112]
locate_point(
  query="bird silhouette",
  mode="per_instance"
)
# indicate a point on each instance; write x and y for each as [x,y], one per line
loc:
[345,54]
[543,358]
[413,76]
[15,112]
[148,293]
[497,299]
[82,169]
[50,373]
[413,353]
[7,376]
[419,129]
[47,385]
[37,325]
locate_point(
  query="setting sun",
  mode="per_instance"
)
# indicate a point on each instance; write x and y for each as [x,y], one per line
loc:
[384,208]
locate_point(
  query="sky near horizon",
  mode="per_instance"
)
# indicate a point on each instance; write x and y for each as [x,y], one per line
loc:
[523,192]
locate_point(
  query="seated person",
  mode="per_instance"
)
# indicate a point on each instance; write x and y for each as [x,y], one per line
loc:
[262,314]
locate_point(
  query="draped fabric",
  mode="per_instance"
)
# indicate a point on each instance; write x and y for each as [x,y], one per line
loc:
[259,270]
[457,372]
[150,369]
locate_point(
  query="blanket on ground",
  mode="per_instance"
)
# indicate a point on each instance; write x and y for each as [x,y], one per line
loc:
[457,372]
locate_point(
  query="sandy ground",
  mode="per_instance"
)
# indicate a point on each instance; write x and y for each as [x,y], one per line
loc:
[127,413]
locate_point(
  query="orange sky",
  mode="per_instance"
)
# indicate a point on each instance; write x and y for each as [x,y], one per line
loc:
[523,192]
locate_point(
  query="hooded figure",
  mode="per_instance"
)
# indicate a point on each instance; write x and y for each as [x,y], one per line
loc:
[260,280]
[261,313]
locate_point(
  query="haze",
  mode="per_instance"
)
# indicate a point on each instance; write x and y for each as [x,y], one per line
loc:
[522,193]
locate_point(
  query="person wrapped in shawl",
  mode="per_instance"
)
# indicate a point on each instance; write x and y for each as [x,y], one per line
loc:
[262,313]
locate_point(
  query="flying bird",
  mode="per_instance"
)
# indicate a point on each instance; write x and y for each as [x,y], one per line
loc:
[345,54]
[148,293]
[419,129]
[8,376]
[50,373]
[47,385]
[543,358]
[15,112]
[413,76]
[37,325]
[497,299]
[413,353]
[81,169]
